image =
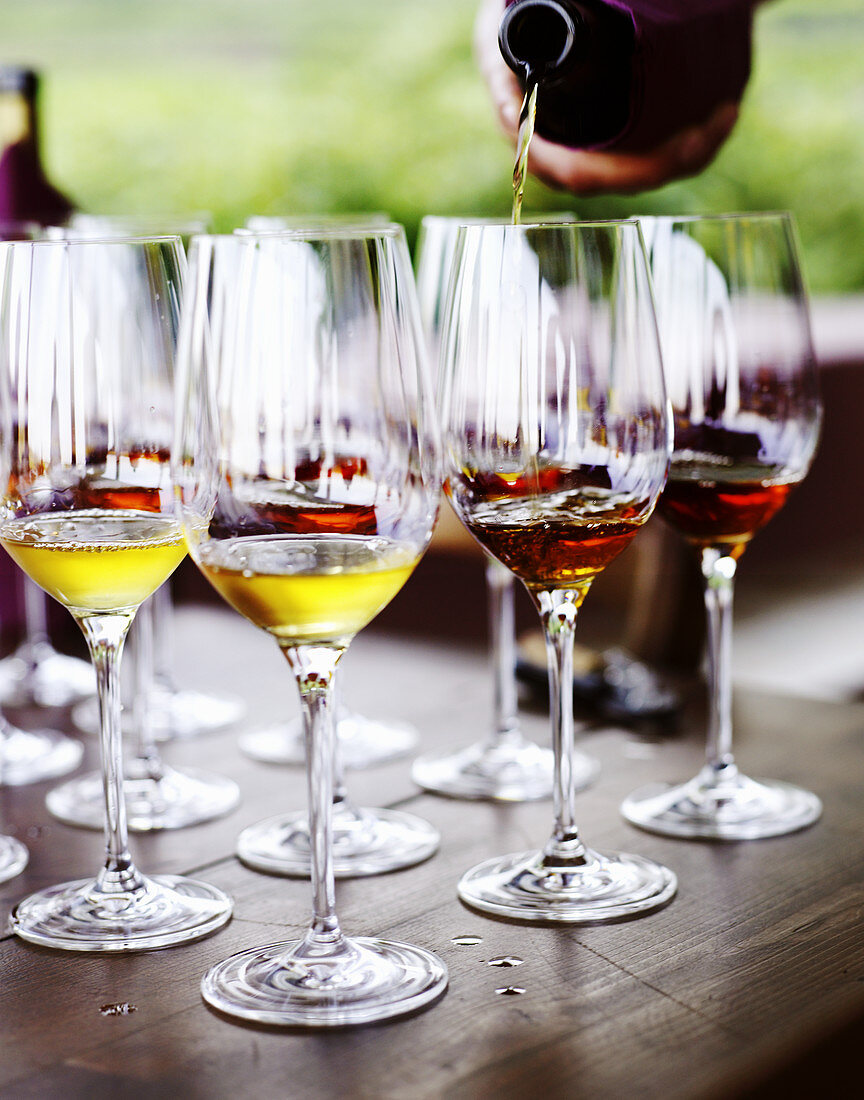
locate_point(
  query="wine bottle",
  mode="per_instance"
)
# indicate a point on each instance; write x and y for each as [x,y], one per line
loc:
[630,75]
[28,201]
[26,195]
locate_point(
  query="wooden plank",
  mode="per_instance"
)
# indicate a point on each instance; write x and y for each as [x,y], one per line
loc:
[758,957]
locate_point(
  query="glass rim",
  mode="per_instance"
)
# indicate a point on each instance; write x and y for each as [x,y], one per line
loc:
[734,216]
[387,230]
[293,221]
[141,218]
[594,223]
[77,242]
[554,217]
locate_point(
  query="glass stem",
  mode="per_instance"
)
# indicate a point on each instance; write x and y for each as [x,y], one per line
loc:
[340,791]
[314,668]
[718,571]
[558,610]
[162,619]
[500,588]
[35,614]
[344,810]
[143,664]
[105,636]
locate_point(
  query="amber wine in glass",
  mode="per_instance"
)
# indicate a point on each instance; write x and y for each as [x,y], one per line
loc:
[556,444]
[503,766]
[741,375]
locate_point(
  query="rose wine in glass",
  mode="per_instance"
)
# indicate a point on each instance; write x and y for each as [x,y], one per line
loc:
[87,336]
[299,351]
[741,375]
[556,444]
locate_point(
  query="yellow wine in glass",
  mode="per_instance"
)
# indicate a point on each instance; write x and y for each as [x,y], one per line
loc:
[308,589]
[87,340]
[92,560]
[308,479]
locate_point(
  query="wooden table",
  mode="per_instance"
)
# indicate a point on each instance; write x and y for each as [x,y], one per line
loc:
[749,979]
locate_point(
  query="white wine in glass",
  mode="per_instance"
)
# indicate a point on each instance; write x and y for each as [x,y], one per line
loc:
[308,472]
[363,742]
[87,339]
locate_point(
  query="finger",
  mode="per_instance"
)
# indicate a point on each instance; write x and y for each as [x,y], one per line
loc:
[501,82]
[696,147]
[589,173]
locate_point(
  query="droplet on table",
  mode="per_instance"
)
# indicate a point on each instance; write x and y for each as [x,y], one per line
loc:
[505,960]
[122,1008]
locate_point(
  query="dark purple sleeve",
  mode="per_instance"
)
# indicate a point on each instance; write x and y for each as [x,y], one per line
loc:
[689,57]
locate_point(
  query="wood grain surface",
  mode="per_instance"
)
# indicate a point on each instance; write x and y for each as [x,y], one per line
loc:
[737,988]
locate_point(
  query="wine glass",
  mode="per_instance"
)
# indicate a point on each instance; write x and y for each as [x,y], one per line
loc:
[158,795]
[505,766]
[171,712]
[741,376]
[366,841]
[556,445]
[87,336]
[13,857]
[307,470]
[28,756]
[363,742]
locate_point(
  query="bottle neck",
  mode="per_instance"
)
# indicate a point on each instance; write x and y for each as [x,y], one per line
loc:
[538,37]
[26,195]
[17,120]
[580,56]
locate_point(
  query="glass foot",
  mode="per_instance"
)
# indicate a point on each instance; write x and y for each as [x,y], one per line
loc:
[714,807]
[183,713]
[528,886]
[365,842]
[283,984]
[37,675]
[175,800]
[78,916]
[513,771]
[13,858]
[172,715]
[363,742]
[29,756]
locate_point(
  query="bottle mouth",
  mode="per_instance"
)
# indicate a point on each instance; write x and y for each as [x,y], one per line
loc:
[536,35]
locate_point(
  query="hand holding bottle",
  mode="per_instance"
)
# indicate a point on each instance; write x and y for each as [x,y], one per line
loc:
[659,159]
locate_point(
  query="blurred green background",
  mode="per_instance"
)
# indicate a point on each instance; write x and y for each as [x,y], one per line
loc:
[286,106]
